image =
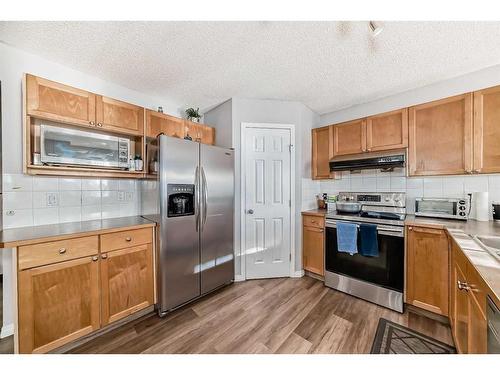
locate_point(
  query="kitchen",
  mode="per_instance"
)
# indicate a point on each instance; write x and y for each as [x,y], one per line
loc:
[264,227]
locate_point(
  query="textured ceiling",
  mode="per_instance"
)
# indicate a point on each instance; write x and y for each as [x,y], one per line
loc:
[325,65]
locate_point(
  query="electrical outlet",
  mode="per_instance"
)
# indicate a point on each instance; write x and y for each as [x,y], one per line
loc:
[52,199]
[129,196]
[121,195]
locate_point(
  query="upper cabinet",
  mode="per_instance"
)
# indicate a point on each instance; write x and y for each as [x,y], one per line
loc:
[115,115]
[199,132]
[387,131]
[58,102]
[157,123]
[349,138]
[440,137]
[322,151]
[487,130]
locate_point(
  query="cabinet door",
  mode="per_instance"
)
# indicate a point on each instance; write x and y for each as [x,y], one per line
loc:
[54,101]
[461,308]
[157,123]
[427,269]
[387,131]
[487,130]
[349,138]
[199,132]
[126,282]
[478,330]
[314,249]
[440,137]
[118,116]
[57,304]
[322,152]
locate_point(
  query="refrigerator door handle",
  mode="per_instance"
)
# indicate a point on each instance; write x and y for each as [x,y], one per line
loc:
[197,197]
[205,197]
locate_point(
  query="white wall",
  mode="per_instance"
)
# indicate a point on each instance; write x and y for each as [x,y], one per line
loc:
[267,111]
[221,118]
[27,203]
[466,83]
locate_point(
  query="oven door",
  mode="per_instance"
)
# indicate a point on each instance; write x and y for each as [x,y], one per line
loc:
[386,270]
[60,145]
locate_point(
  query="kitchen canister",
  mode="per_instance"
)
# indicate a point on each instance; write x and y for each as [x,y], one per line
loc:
[480,206]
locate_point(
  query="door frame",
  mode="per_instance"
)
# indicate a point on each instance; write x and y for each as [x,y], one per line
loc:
[261,125]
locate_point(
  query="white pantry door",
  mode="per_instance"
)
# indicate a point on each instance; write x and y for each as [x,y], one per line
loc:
[267,203]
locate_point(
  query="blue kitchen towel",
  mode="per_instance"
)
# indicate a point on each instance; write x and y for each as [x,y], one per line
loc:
[347,237]
[369,241]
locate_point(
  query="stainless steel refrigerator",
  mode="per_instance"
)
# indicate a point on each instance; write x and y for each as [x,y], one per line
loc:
[196,200]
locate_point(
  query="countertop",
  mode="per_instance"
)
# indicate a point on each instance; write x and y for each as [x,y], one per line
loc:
[22,236]
[486,265]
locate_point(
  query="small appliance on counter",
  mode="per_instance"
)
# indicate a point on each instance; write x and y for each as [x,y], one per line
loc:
[443,208]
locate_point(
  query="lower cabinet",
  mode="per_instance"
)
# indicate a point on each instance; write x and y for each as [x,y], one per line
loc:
[427,275]
[313,244]
[68,299]
[58,303]
[467,313]
[126,282]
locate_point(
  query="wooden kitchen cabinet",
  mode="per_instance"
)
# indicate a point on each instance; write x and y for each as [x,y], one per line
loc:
[199,132]
[487,130]
[440,137]
[115,115]
[387,131]
[126,282]
[322,152]
[349,138]
[427,269]
[58,303]
[468,305]
[157,123]
[313,244]
[57,102]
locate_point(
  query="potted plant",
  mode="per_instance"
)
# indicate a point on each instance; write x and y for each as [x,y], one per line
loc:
[193,114]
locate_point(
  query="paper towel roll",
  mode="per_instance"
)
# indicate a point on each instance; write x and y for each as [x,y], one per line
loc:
[480,206]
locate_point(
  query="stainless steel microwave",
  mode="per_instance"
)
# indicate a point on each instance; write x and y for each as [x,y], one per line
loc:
[445,208]
[65,146]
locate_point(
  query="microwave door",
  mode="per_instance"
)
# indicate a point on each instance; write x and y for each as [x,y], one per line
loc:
[74,147]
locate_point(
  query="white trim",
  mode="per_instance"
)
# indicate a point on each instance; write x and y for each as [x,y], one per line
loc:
[298,274]
[7,330]
[244,126]
[238,278]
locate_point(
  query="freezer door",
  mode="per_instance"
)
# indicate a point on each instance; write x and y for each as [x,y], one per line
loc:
[216,217]
[179,255]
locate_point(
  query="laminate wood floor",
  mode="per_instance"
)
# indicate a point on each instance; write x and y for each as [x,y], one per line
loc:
[263,316]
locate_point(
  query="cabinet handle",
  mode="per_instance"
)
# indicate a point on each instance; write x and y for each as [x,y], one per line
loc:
[462,286]
[62,250]
[313,221]
[95,258]
[104,256]
[99,124]
[128,239]
[410,228]
[92,123]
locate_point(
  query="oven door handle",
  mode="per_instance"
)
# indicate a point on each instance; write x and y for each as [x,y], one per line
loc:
[396,232]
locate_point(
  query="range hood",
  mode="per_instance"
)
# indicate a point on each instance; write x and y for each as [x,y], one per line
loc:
[357,162]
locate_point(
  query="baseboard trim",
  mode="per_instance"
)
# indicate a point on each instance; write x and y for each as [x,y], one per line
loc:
[238,278]
[7,331]
[297,274]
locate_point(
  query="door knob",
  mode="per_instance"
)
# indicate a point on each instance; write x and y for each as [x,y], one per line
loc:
[250,212]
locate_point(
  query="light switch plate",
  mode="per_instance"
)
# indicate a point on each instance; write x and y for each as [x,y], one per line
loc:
[121,195]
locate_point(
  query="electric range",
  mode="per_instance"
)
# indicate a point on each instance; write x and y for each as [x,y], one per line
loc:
[378,279]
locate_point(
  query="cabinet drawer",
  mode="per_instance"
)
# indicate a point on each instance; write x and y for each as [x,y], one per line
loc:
[128,238]
[57,251]
[459,258]
[314,221]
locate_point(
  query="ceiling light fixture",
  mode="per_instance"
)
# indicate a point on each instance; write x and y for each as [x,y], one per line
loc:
[376,27]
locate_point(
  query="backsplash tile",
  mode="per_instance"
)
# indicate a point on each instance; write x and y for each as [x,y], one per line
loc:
[435,187]
[26,199]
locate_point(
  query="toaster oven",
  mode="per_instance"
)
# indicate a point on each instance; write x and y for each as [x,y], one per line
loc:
[445,208]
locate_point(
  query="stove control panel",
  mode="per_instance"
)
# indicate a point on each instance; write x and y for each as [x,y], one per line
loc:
[375,199]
